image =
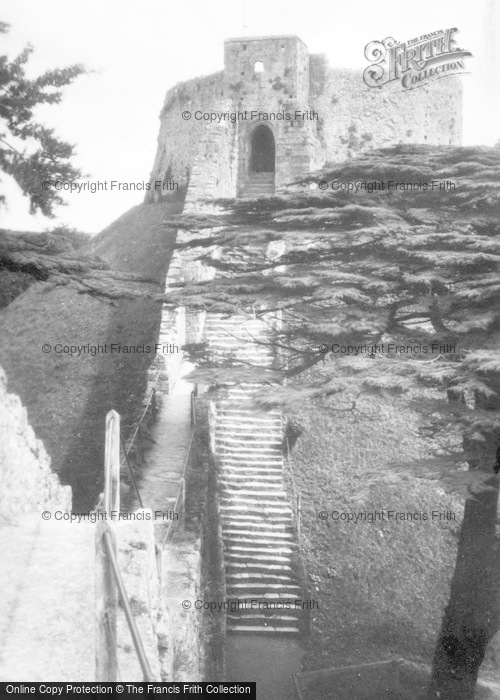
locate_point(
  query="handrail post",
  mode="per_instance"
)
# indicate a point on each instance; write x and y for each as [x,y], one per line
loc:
[299,516]
[193,409]
[112,466]
[106,598]
[106,594]
[182,504]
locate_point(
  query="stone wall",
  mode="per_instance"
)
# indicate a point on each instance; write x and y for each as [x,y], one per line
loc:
[354,117]
[276,75]
[181,582]
[27,483]
[138,566]
[180,139]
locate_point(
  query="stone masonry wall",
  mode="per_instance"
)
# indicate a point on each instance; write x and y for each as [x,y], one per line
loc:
[276,75]
[354,117]
[28,484]
[179,140]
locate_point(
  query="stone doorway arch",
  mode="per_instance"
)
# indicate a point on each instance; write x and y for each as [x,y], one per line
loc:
[262,150]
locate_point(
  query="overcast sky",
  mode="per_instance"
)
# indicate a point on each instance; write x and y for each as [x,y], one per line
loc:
[140,48]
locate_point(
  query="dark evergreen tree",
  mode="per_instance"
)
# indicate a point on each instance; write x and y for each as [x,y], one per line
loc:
[30,152]
[411,264]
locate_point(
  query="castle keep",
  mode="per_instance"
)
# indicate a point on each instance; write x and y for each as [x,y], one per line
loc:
[276,112]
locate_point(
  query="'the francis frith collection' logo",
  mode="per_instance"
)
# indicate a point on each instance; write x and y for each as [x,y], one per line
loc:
[416,62]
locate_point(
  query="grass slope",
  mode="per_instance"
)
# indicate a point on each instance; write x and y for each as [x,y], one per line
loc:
[68,397]
[380,586]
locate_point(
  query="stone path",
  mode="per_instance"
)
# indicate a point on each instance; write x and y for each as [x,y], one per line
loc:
[164,461]
[47,601]
[270,660]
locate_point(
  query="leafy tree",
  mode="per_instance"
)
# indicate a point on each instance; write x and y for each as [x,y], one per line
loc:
[412,266]
[41,156]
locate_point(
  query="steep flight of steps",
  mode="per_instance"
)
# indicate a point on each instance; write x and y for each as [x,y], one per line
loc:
[257,523]
[258,185]
[234,337]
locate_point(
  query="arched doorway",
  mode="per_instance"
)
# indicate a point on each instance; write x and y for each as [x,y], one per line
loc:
[263,150]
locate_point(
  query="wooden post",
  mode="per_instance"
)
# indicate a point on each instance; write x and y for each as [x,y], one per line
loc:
[105,586]
[193,410]
[112,466]
[182,504]
[211,425]
[105,601]
[299,516]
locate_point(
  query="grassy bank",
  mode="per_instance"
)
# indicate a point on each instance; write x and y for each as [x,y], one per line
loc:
[67,397]
[381,587]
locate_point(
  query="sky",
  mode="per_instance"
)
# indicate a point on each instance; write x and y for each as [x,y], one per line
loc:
[137,49]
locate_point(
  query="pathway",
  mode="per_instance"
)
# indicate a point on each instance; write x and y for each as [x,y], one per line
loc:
[47,602]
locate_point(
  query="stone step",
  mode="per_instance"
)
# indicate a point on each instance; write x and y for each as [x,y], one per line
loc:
[239,459]
[251,576]
[251,543]
[244,430]
[251,342]
[259,629]
[247,503]
[253,496]
[277,534]
[222,407]
[250,450]
[236,480]
[264,586]
[257,522]
[251,460]
[252,441]
[271,597]
[245,417]
[239,463]
[273,617]
[280,546]
[264,508]
[252,471]
[237,557]
[249,431]
[260,565]
[231,409]
[257,577]
[275,490]
[250,477]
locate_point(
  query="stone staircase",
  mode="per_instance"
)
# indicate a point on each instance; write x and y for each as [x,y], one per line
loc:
[258,185]
[257,522]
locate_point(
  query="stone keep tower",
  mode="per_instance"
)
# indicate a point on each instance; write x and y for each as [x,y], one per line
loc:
[276,112]
[277,133]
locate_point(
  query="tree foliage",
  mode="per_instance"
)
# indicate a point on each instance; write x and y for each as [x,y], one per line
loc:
[412,267]
[29,151]
[415,265]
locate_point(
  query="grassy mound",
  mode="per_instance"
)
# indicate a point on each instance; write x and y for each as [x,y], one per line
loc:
[67,397]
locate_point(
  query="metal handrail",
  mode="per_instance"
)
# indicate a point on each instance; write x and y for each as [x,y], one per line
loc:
[127,451]
[108,577]
[153,393]
[131,474]
[134,632]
